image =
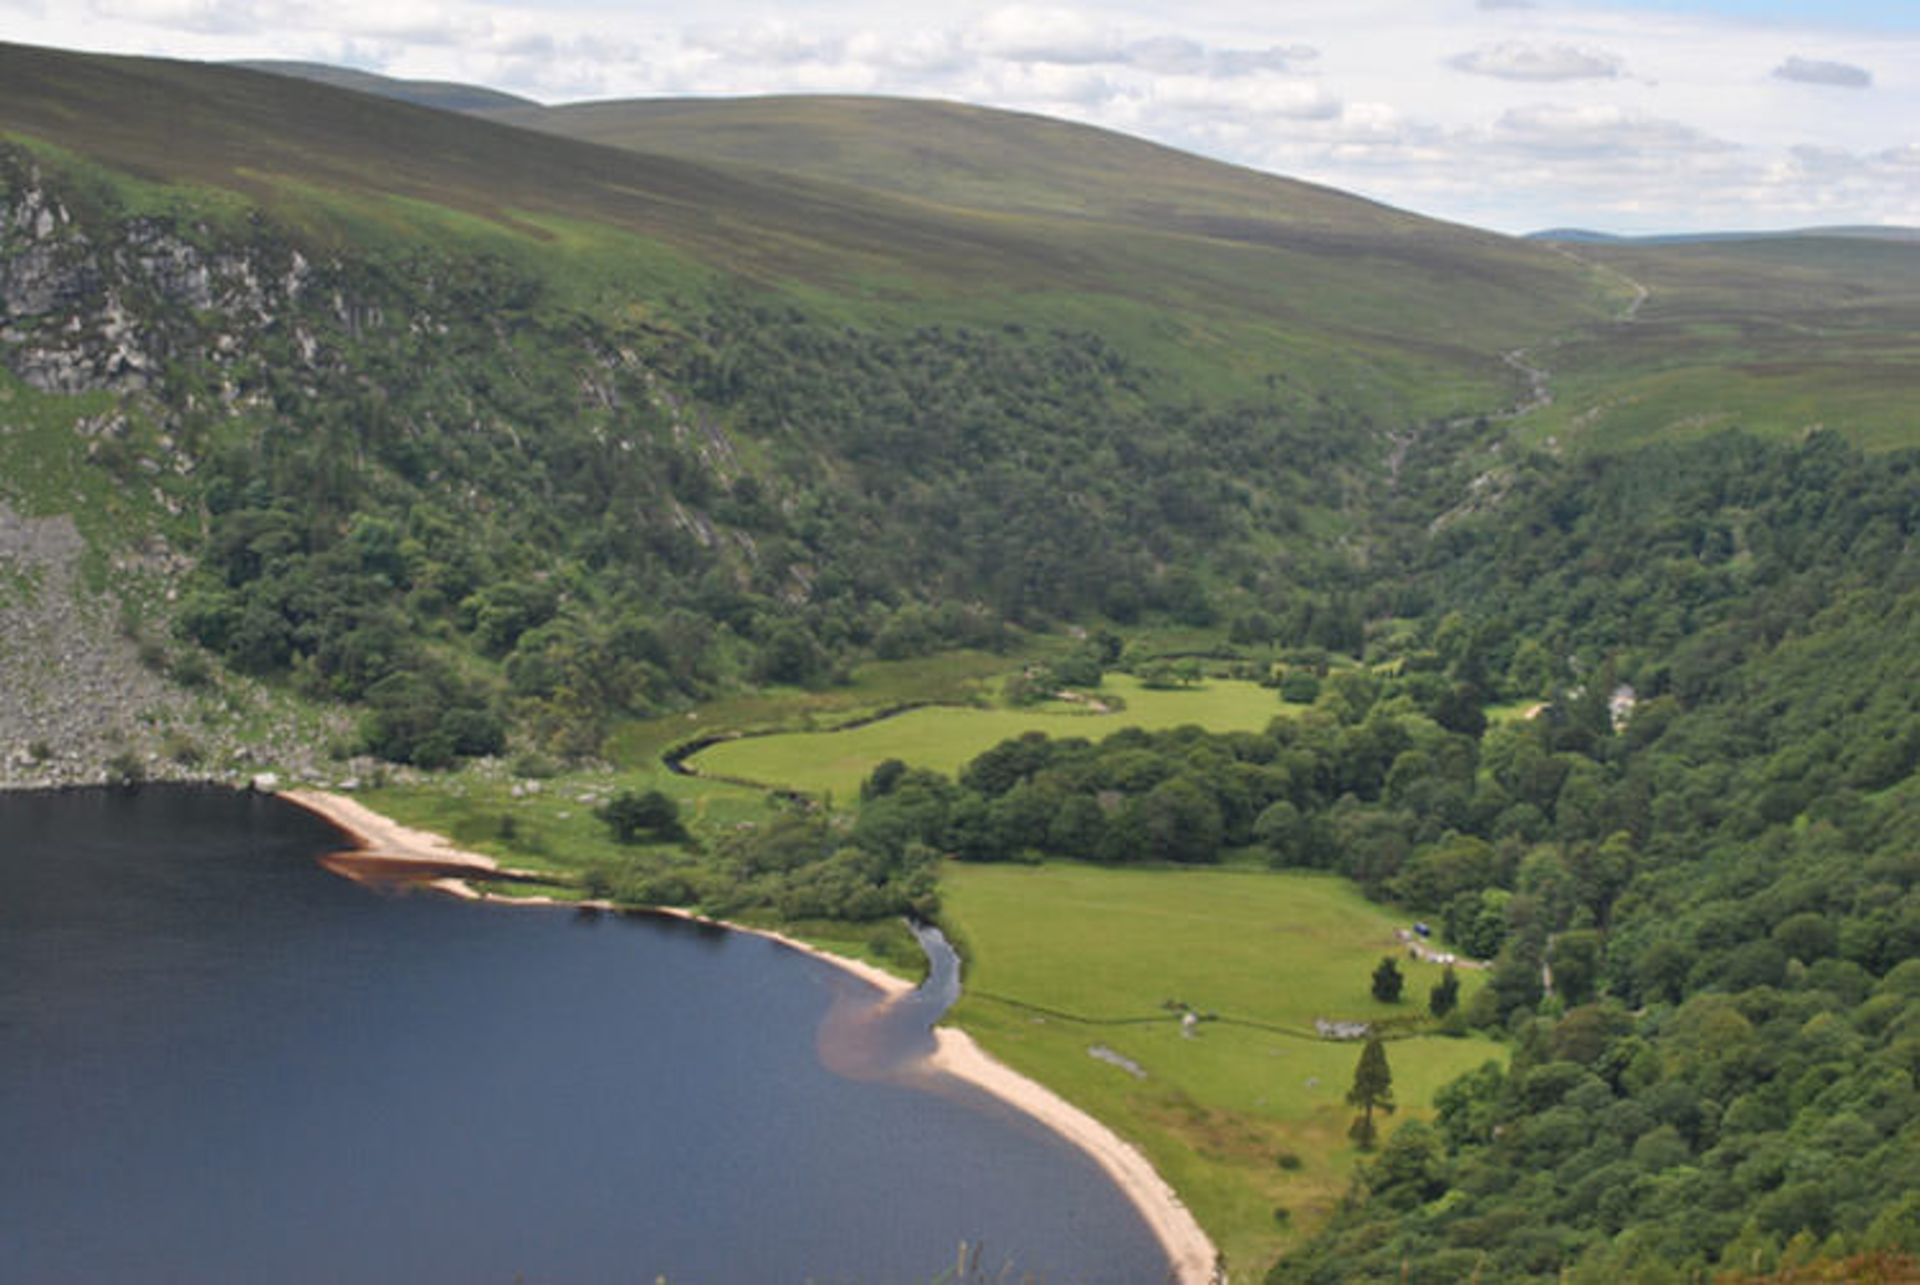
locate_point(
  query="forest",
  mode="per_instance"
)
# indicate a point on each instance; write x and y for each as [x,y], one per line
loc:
[1717,876]
[758,497]
[1636,727]
[1686,844]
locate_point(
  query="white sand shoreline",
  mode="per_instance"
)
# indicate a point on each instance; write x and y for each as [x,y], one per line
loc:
[1192,1253]
[382,836]
[385,840]
[1186,1243]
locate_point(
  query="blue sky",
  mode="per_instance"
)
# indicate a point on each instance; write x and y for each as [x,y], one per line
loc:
[1892,15]
[1621,115]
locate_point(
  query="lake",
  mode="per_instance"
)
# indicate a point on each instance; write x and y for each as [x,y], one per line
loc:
[219,1062]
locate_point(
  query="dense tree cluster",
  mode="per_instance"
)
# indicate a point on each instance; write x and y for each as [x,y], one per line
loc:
[438,467]
[1693,866]
[1720,880]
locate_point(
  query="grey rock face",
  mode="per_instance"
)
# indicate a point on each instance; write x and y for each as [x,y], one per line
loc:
[80,315]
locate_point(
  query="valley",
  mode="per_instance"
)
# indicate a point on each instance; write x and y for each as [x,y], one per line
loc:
[1175,580]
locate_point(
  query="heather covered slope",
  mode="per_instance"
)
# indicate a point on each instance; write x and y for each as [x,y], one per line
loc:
[446,95]
[1778,335]
[1421,301]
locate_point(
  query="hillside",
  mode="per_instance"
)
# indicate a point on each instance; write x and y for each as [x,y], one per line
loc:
[1778,334]
[1390,299]
[982,158]
[446,95]
[348,438]
[1775,333]
[485,428]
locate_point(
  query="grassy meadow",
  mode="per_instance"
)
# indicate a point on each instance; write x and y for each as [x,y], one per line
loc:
[944,738]
[1064,959]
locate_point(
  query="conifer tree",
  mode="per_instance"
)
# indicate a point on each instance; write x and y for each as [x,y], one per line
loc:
[1387,981]
[1372,1087]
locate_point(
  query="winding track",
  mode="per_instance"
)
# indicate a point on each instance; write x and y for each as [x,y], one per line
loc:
[1539,385]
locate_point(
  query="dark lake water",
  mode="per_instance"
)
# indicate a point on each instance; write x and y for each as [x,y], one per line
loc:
[220,1063]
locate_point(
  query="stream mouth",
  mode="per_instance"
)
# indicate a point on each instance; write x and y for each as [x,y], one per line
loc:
[891,1039]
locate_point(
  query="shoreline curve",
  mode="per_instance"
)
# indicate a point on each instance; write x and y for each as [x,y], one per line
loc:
[380,839]
[1188,1247]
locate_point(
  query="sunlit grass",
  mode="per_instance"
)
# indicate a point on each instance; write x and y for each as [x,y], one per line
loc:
[1215,1112]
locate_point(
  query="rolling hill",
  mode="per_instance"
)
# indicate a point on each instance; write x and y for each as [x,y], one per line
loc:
[1778,335]
[1300,271]
[756,424]
[1775,333]
[377,438]
[446,95]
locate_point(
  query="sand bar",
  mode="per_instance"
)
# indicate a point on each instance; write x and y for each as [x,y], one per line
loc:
[955,1053]
[384,838]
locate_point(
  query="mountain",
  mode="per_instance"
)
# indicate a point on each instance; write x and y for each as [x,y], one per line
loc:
[437,408]
[1775,333]
[443,94]
[1422,306]
[366,437]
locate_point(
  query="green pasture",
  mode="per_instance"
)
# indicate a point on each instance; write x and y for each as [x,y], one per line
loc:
[959,677]
[553,829]
[944,738]
[1066,958]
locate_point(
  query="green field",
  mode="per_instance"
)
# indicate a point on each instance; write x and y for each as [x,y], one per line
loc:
[1214,1112]
[944,738]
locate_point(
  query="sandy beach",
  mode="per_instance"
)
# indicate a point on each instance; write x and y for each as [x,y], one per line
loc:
[1193,1255]
[384,838]
[1179,1233]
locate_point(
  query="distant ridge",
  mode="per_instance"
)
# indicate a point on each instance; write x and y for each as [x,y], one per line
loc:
[447,95]
[983,158]
[1586,236]
[1272,273]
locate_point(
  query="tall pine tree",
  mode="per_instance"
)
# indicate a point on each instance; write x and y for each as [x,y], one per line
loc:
[1372,1087]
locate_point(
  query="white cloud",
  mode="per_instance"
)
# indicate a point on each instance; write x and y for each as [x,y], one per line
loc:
[1814,71]
[1268,100]
[1022,33]
[1514,60]
[1597,131]
[225,17]
[771,42]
